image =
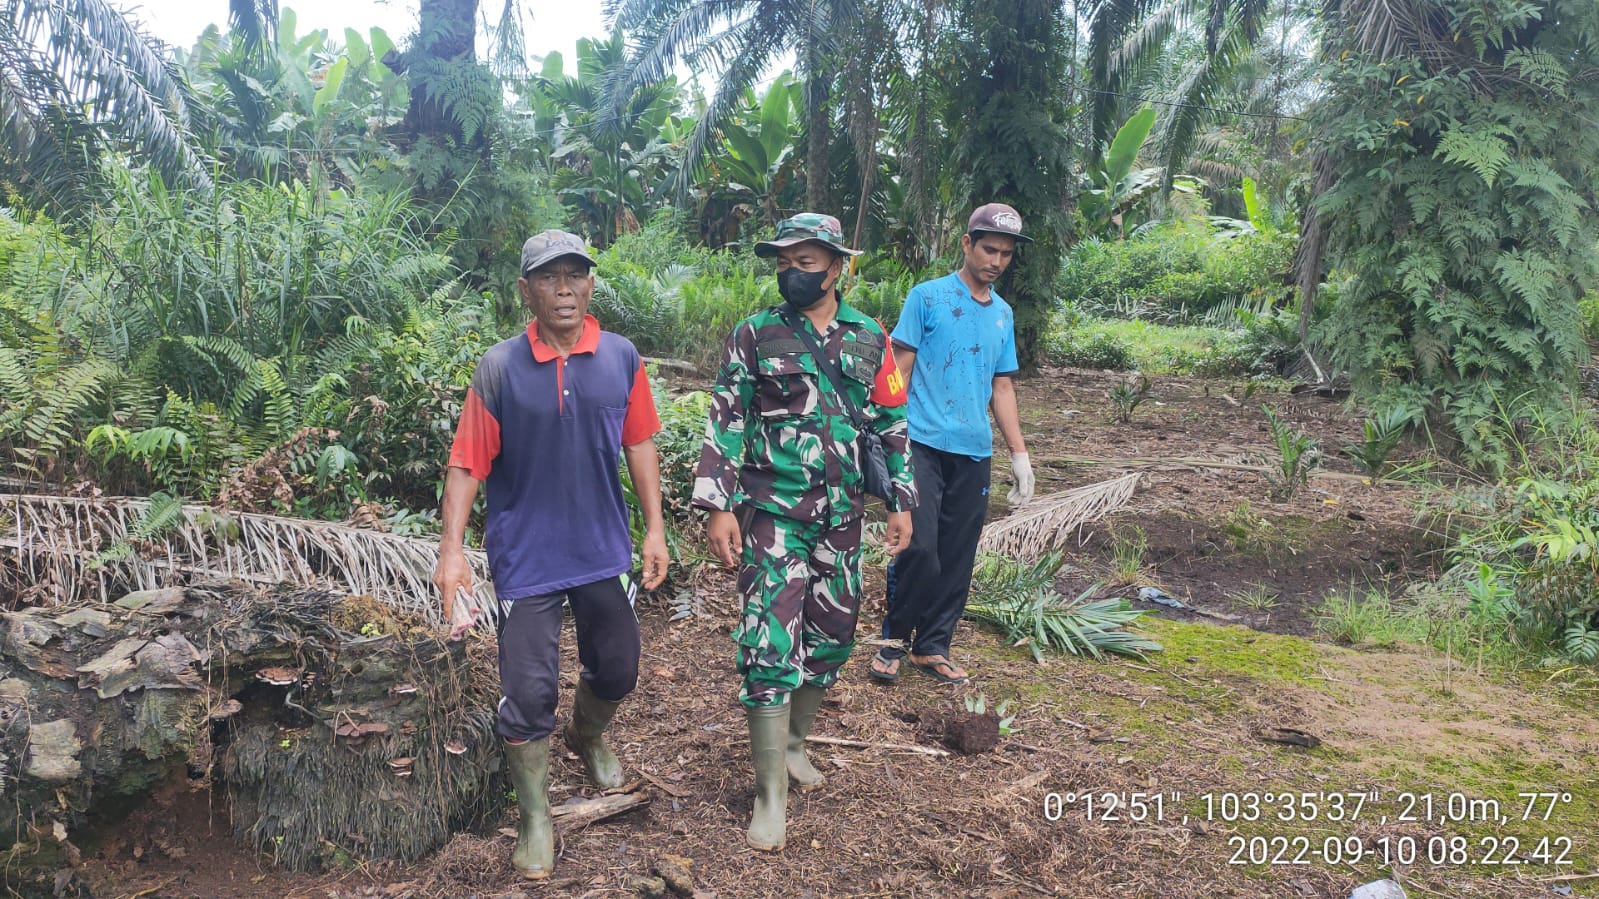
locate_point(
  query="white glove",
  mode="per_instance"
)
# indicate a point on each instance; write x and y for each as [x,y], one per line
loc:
[1021,469]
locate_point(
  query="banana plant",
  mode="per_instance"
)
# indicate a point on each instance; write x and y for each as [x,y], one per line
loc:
[757,162]
[306,103]
[1262,216]
[1114,186]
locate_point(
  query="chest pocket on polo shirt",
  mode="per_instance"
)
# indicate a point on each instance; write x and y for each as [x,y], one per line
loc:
[785,379]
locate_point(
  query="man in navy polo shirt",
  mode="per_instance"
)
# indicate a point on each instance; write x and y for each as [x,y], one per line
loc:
[956,343]
[547,417]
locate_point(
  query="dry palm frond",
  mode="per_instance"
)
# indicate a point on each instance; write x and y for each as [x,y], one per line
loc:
[1046,522]
[67,545]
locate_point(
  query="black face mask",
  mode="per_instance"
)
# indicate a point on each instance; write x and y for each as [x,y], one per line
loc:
[801,290]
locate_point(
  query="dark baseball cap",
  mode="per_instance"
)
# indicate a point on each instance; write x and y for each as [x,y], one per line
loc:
[550,245]
[998,219]
[806,226]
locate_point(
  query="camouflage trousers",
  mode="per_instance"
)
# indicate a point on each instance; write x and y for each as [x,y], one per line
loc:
[801,585]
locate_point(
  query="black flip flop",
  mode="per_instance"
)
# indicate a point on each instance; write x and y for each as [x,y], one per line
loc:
[882,676]
[931,670]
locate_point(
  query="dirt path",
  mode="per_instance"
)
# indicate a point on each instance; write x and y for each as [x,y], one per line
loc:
[1216,537]
[1189,722]
[895,823]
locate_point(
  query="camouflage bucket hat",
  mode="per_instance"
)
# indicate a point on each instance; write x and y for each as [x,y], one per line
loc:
[806,226]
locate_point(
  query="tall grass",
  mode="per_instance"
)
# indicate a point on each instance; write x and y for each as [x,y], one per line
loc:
[273,270]
[1527,545]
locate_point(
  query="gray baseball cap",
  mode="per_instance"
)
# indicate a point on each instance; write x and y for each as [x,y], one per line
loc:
[998,219]
[551,245]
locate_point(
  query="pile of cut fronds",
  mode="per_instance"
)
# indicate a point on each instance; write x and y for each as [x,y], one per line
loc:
[80,547]
[1047,521]
[1020,600]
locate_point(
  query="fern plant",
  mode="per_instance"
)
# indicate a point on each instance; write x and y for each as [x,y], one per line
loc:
[1458,147]
[48,396]
[163,515]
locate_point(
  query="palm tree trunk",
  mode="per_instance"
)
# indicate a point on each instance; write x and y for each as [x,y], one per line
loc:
[818,197]
[446,31]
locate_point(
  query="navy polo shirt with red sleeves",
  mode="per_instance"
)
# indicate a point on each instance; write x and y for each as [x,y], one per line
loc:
[546,434]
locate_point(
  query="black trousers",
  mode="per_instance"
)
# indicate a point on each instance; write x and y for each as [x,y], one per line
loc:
[929,582]
[529,632]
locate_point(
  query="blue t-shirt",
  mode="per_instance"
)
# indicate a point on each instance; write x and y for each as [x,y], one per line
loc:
[961,345]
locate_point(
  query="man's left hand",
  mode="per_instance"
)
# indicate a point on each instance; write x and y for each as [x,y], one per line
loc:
[654,559]
[897,535]
[1021,468]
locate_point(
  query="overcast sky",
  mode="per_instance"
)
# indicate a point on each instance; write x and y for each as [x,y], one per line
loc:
[554,25]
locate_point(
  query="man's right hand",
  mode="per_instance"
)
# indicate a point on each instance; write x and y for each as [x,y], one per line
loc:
[452,575]
[726,541]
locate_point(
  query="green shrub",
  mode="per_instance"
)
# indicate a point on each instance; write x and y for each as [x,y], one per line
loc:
[681,436]
[1089,349]
[1269,341]
[883,299]
[1174,272]
[660,245]
[1248,267]
[1535,534]
[1588,309]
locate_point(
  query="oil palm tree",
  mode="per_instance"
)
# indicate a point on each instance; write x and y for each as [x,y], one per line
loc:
[611,163]
[739,40]
[78,77]
[1126,39]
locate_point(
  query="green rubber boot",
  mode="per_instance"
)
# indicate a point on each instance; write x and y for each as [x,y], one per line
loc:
[803,705]
[769,742]
[529,764]
[584,736]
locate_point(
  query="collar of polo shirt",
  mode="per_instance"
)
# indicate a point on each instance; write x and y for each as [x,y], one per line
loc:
[588,343]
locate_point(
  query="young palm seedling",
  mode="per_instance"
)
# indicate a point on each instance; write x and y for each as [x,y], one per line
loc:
[1381,436]
[1125,398]
[1298,454]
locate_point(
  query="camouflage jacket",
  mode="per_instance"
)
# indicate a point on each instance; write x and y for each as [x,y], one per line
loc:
[779,443]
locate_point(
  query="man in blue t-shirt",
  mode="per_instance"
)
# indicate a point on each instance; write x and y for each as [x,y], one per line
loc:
[956,342]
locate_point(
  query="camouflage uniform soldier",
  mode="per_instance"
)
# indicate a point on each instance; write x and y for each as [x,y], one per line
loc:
[780,472]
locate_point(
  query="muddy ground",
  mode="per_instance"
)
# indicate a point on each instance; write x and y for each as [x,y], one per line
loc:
[1187,721]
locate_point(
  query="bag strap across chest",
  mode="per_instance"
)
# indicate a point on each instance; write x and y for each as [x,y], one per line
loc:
[828,367]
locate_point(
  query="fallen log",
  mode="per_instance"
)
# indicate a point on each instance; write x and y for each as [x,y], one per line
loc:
[335,725]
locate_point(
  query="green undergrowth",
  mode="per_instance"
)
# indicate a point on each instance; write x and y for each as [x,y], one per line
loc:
[1200,649]
[1257,351]
[1121,344]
